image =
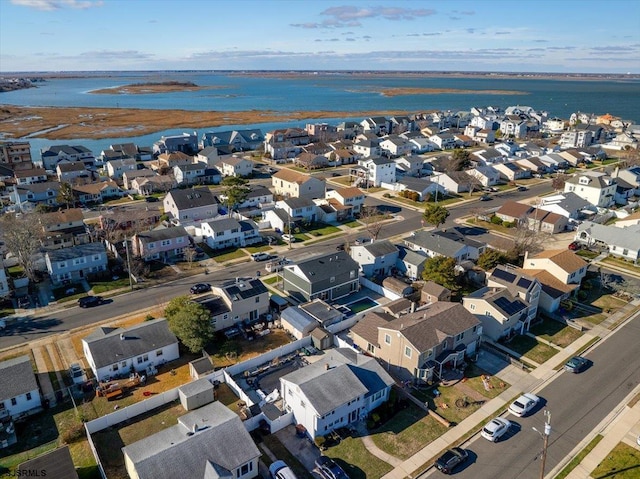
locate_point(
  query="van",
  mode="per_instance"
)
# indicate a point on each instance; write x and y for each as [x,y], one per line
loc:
[280,470]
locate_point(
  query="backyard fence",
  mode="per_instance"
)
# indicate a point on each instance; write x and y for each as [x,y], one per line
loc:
[378,289]
[103,475]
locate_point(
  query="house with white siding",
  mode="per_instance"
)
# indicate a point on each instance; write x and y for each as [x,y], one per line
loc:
[76,263]
[116,168]
[292,184]
[19,392]
[224,233]
[596,187]
[30,176]
[192,204]
[374,171]
[235,166]
[376,259]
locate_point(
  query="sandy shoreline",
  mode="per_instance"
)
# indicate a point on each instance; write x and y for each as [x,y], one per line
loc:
[391,92]
[150,88]
[60,123]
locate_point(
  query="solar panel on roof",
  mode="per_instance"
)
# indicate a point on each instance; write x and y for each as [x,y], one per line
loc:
[504,275]
[524,283]
[509,307]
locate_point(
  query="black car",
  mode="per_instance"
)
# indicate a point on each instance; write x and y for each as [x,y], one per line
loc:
[90,301]
[485,198]
[200,288]
[576,364]
[330,469]
[151,199]
[522,188]
[340,247]
[451,459]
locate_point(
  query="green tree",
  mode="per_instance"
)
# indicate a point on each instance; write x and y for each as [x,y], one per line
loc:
[190,322]
[236,191]
[435,215]
[65,195]
[491,258]
[441,270]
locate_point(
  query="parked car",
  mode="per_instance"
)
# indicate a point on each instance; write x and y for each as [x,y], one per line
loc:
[485,198]
[340,247]
[576,364]
[90,301]
[330,469]
[360,241]
[495,429]
[451,459]
[524,404]
[280,470]
[574,246]
[77,374]
[199,288]
[151,199]
[260,256]
[522,188]
[288,238]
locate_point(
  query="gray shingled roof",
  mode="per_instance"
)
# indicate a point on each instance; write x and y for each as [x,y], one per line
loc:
[223,224]
[221,440]
[57,463]
[439,244]
[108,348]
[163,233]
[324,267]
[380,248]
[193,198]
[79,251]
[16,377]
[195,387]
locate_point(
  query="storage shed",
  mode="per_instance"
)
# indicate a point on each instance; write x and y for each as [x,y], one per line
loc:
[196,394]
[297,322]
[321,338]
[397,286]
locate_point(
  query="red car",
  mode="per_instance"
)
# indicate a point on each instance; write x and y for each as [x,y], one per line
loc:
[574,246]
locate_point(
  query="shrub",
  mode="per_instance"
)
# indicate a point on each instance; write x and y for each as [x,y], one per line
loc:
[582,295]
[496,220]
[73,433]
[386,195]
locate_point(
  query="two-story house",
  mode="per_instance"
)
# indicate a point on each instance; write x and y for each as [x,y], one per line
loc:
[15,154]
[30,176]
[377,125]
[230,141]
[224,233]
[422,344]
[367,148]
[235,166]
[374,171]
[129,176]
[444,141]
[291,184]
[112,352]
[116,168]
[54,154]
[146,185]
[511,171]
[45,193]
[339,389]
[486,175]
[376,259]
[69,171]
[285,143]
[76,263]
[189,174]
[244,299]
[185,143]
[19,393]
[328,277]
[161,244]
[519,284]
[63,228]
[299,210]
[4,282]
[189,205]
[350,197]
[394,146]
[97,192]
[597,188]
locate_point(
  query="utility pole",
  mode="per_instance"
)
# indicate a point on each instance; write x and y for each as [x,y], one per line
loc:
[545,439]
[126,247]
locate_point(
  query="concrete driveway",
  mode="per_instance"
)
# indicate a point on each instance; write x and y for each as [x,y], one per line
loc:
[302,448]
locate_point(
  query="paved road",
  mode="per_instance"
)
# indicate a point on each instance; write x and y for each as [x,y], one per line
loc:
[577,402]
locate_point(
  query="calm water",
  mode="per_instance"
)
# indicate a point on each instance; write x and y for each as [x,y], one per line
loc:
[338,93]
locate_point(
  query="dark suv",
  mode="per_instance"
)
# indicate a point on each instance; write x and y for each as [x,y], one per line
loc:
[451,459]
[89,301]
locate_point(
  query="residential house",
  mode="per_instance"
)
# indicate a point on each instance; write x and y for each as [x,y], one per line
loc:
[622,141]
[113,352]
[69,171]
[337,390]
[576,138]
[420,143]
[45,193]
[224,233]
[193,204]
[376,259]
[410,263]
[322,132]
[129,176]
[553,161]
[54,154]
[378,125]
[328,277]
[160,244]
[244,299]
[63,228]
[573,156]
[185,143]
[311,161]
[190,174]
[409,165]
[563,264]
[4,282]
[347,197]
[147,185]
[167,161]
[486,175]
[209,442]
[631,175]
[231,141]
[19,393]
[500,312]
[511,171]
[432,292]
[208,155]
[514,212]
[621,242]
[299,210]
[423,187]
[519,284]
[569,205]
[349,129]
[423,344]
[596,187]
[463,141]
[533,164]
[342,156]
[553,126]
[374,171]
[30,176]
[488,156]
[301,320]
[444,141]
[56,463]
[450,243]
[235,166]
[479,134]
[285,143]
[116,168]
[513,126]
[455,181]
[76,263]
[291,184]
[393,146]
[131,150]
[15,154]
[97,192]
[367,148]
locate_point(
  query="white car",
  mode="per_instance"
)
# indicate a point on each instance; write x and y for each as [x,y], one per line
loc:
[288,238]
[524,404]
[495,429]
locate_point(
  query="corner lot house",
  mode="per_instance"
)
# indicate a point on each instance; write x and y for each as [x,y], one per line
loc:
[240,300]
[227,232]
[19,391]
[209,442]
[335,391]
[596,187]
[111,352]
[292,184]
[76,263]
[420,344]
[327,277]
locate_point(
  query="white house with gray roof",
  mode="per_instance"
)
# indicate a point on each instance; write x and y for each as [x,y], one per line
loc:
[19,391]
[374,171]
[299,209]
[112,352]
[335,391]
[209,442]
[621,242]
[228,232]
[450,243]
[189,205]
[410,263]
[162,244]
[375,259]
[244,299]
[595,187]
[569,205]
[76,263]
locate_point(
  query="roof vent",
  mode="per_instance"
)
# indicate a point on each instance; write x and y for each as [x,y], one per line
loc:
[195,428]
[122,337]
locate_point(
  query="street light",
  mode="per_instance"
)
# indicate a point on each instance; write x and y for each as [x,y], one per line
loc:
[545,438]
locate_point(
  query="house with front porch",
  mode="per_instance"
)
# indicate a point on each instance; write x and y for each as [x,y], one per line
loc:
[376,259]
[347,197]
[224,233]
[421,345]
[337,390]
[192,204]
[63,228]
[328,277]
[500,312]
[160,244]
[292,184]
[76,263]
[621,242]
[19,392]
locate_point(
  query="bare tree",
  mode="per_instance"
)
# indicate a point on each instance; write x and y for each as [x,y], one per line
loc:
[190,255]
[372,219]
[22,238]
[528,239]
[558,182]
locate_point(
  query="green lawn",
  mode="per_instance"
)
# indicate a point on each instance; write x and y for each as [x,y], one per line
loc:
[555,332]
[357,462]
[322,230]
[100,287]
[475,381]
[623,462]
[587,254]
[228,255]
[271,280]
[532,348]
[579,457]
[352,224]
[445,403]
[258,249]
[620,263]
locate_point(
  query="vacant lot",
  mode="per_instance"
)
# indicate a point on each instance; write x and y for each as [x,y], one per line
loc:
[555,332]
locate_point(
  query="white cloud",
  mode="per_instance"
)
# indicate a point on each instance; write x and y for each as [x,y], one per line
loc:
[48,5]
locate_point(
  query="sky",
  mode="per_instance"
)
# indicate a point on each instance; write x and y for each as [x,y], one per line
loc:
[561,36]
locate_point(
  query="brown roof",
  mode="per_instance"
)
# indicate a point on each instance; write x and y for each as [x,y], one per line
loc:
[337,205]
[367,327]
[291,176]
[514,209]
[95,188]
[398,305]
[174,156]
[550,284]
[72,166]
[29,172]
[552,218]
[349,192]
[566,259]
[434,289]
[62,216]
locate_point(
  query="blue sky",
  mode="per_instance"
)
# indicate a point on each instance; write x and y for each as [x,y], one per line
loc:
[592,36]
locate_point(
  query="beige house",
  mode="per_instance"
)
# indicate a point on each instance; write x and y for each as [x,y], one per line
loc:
[563,264]
[292,184]
[422,344]
[349,196]
[432,293]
